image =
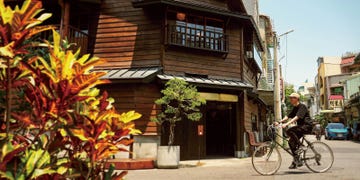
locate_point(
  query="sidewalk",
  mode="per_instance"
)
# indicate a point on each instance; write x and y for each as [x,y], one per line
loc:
[347,161]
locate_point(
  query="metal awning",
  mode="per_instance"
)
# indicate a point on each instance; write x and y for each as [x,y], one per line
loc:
[209,82]
[131,74]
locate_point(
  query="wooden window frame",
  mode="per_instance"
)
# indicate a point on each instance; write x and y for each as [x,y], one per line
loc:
[183,36]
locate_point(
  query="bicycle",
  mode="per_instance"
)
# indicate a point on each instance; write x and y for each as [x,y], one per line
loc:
[266,159]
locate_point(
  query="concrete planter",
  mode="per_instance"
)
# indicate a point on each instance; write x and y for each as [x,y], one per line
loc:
[168,157]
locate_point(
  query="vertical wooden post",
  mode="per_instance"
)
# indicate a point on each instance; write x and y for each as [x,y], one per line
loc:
[242,52]
[65,19]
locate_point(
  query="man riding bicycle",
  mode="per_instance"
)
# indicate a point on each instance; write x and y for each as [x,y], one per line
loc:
[299,114]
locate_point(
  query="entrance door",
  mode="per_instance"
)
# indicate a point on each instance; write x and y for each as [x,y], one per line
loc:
[220,129]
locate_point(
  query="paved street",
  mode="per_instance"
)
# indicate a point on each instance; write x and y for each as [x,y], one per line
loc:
[346,167]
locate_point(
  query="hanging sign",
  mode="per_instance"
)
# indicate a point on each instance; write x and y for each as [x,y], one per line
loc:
[200,130]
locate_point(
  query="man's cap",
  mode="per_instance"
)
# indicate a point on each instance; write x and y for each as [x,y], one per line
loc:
[294,95]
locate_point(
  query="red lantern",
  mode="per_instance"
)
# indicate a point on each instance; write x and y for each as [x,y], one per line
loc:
[180,16]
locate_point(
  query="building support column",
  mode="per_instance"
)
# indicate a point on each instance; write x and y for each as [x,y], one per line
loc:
[240,126]
[65,18]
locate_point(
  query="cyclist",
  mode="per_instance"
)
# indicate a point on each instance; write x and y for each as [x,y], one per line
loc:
[299,114]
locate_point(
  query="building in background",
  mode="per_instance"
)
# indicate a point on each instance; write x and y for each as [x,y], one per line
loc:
[337,87]
[348,64]
[327,66]
[307,90]
[267,34]
[312,102]
[352,92]
[335,97]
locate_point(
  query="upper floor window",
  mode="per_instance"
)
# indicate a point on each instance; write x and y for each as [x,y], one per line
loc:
[196,31]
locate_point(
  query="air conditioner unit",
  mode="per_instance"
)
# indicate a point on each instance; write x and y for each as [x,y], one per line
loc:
[249,54]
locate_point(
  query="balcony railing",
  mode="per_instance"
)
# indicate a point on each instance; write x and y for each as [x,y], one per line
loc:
[77,37]
[197,38]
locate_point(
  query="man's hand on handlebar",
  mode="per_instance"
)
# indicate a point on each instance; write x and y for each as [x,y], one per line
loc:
[278,124]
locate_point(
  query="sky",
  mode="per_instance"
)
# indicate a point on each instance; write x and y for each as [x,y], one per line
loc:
[321,28]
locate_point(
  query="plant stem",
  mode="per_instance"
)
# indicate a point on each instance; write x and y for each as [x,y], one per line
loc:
[8,96]
[172,134]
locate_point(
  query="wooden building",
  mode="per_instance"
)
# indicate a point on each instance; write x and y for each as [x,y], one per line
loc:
[210,43]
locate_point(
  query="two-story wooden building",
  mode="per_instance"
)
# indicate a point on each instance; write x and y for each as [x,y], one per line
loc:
[212,44]
[209,43]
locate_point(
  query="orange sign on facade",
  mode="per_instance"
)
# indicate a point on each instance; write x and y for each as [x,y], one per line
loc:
[200,130]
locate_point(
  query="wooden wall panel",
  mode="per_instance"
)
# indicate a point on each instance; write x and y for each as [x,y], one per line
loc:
[126,36]
[138,97]
[249,74]
[250,107]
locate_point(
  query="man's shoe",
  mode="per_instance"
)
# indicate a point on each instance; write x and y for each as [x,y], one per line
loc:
[293,165]
[298,161]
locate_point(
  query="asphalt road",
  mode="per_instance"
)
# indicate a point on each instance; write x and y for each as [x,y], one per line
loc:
[346,167]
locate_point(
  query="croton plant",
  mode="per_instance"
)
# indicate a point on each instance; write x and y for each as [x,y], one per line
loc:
[55,123]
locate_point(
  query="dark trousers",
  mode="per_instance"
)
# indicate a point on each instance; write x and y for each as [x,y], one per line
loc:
[295,133]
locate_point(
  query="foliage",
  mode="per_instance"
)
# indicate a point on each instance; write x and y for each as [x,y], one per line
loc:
[68,129]
[179,101]
[289,88]
[320,118]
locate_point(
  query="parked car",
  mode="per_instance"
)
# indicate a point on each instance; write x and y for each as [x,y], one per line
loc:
[336,131]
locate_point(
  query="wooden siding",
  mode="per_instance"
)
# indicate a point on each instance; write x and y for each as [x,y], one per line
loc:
[138,97]
[204,63]
[249,74]
[127,36]
[251,107]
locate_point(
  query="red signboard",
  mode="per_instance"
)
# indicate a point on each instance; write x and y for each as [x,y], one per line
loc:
[200,130]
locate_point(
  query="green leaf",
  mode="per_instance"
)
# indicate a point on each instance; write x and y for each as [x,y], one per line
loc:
[39,172]
[7,175]
[62,170]
[44,159]
[129,116]
[79,133]
[39,20]
[6,149]
[44,140]
[109,172]
[34,159]
[7,51]
[6,13]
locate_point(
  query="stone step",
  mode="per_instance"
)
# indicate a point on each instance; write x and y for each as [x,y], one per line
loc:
[131,164]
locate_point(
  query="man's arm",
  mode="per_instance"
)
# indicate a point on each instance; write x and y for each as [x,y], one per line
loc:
[284,119]
[281,121]
[291,121]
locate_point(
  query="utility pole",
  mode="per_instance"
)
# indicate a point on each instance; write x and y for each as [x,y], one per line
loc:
[277,98]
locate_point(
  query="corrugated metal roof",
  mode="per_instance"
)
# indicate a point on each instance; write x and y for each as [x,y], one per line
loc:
[207,81]
[131,73]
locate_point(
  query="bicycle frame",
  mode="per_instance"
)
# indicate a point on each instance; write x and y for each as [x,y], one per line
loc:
[274,143]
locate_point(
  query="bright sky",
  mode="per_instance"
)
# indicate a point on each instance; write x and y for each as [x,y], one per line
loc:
[322,28]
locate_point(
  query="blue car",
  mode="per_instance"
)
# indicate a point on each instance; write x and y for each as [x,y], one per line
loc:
[336,131]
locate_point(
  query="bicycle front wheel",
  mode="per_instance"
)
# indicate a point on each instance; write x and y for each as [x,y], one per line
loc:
[318,157]
[266,159]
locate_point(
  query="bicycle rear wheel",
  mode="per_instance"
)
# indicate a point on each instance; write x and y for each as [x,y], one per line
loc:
[318,157]
[266,159]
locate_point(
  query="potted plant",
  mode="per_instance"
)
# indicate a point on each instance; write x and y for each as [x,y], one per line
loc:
[180,101]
